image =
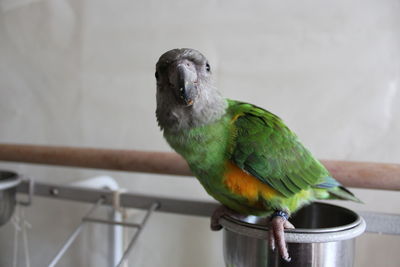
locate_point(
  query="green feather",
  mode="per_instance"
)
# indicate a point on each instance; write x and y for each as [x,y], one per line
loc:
[259,143]
[267,149]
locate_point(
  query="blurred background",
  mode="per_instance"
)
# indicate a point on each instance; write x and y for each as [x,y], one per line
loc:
[81,73]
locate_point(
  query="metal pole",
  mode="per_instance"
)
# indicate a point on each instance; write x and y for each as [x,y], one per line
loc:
[115,232]
[72,237]
[113,222]
[376,222]
[66,245]
[150,211]
[116,237]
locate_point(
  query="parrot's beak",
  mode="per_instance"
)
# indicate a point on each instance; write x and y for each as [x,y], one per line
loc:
[185,83]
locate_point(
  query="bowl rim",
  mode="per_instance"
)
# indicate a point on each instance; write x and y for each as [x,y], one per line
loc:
[13,181]
[299,235]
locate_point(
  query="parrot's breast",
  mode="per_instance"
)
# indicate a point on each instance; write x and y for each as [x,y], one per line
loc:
[205,149]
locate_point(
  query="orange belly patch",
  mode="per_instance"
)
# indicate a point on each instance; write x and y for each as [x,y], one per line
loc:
[245,184]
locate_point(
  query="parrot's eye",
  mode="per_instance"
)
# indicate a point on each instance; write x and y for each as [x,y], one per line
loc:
[157,76]
[208,68]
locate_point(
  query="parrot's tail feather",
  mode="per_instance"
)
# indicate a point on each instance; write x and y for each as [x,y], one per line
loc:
[341,192]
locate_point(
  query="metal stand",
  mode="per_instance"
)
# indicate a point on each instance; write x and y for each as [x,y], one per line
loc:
[152,208]
[73,236]
[87,219]
[376,222]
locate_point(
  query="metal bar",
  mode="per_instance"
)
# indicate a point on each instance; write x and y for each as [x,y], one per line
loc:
[150,211]
[66,245]
[352,174]
[73,236]
[376,222]
[115,237]
[115,232]
[128,200]
[382,223]
[97,220]
[67,192]
[170,205]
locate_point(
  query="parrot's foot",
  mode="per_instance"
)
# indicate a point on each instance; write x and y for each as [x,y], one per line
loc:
[217,214]
[279,222]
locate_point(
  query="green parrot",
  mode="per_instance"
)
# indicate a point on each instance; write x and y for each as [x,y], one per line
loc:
[244,156]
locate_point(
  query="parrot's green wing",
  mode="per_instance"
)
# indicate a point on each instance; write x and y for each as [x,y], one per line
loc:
[266,148]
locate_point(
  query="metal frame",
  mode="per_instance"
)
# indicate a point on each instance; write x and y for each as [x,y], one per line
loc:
[152,208]
[127,200]
[382,223]
[108,197]
[115,231]
[73,236]
[376,222]
[87,219]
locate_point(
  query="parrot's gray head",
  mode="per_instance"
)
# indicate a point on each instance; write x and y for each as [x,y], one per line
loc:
[186,96]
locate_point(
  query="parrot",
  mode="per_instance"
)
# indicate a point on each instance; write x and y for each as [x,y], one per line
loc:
[244,156]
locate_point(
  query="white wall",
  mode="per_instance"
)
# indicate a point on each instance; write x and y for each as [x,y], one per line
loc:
[81,73]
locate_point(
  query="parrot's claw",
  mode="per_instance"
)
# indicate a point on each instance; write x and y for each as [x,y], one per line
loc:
[217,214]
[278,224]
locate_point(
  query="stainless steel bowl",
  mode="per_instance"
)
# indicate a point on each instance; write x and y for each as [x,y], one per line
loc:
[8,189]
[324,237]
